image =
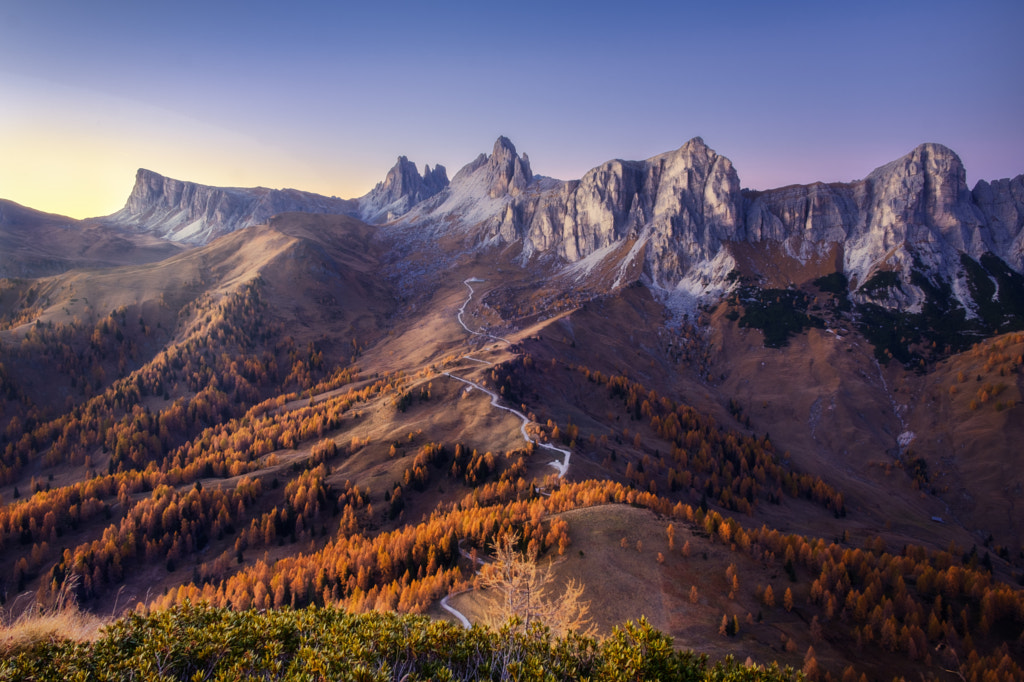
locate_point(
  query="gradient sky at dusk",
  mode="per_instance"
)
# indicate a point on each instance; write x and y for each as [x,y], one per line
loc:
[324,96]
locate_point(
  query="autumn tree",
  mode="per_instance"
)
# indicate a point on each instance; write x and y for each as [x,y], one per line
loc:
[523,590]
[811,669]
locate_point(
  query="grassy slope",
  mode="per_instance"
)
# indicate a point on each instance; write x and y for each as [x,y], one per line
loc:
[848,439]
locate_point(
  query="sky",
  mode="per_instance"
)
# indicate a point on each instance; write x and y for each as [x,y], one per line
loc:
[324,96]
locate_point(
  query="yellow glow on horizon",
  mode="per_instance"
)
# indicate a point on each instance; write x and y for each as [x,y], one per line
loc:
[87,178]
[75,153]
[74,178]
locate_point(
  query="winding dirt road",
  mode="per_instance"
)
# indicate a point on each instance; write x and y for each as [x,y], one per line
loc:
[455,612]
[462,311]
[562,467]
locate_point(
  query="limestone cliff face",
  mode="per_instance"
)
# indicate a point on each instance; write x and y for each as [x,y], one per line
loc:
[486,198]
[684,212]
[681,215]
[1001,203]
[681,205]
[507,173]
[913,214]
[191,213]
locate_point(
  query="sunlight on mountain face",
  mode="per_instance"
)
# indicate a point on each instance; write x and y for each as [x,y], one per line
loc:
[760,421]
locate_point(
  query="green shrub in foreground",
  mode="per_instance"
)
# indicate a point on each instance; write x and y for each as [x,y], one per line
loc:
[203,643]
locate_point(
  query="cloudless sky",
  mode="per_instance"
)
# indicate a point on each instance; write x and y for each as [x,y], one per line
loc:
[324,96]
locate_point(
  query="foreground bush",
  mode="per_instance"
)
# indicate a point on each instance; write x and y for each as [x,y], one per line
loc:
[204,643]
[62,619]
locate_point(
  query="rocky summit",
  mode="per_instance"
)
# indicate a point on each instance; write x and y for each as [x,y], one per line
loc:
[402,188]
[785,422]
[682,213]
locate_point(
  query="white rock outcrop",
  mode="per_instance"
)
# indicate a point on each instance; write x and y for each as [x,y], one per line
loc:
[915,213]
[1001,203]
[682,209]
[682,205]
[678,214]
[196,214]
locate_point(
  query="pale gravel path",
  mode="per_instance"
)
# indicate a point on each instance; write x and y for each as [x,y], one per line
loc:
[455,612]
[562,467]
[462,311]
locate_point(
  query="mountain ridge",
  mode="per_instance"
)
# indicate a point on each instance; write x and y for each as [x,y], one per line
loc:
[36,244]
[912,215]
[684,211]
[224,423]
[402,188]
[195,214]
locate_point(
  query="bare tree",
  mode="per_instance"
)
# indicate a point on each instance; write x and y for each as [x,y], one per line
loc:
[524,590]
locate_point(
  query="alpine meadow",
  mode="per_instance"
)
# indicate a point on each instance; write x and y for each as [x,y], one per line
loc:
[646,424]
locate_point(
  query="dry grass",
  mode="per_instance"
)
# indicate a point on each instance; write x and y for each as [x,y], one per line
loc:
[614,556]
[37,622]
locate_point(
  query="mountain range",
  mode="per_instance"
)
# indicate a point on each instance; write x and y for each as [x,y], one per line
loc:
[684,212]
[654,375]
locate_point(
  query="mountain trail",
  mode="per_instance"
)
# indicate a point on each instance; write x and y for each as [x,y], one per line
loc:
[462,311]
[562,467]
[455,612]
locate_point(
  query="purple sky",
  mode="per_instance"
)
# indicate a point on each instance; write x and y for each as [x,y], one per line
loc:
[324,96]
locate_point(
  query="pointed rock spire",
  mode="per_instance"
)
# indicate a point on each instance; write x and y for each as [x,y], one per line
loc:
[502,173]
[508,172]
[404,181]
[402,188]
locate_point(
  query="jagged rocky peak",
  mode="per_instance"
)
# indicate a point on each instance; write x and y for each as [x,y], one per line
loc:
[708,180]
[1001,202]
[694,153]
[158,199]
[927,159]
[681,205]
[928,186]
[914,217]
[404,180]
[504,171]
[682,212]
[511,172]
[152,188]
[691,188]
[435,180]
[402,188]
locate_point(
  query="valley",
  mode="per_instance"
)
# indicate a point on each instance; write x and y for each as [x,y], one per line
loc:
[347,402]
